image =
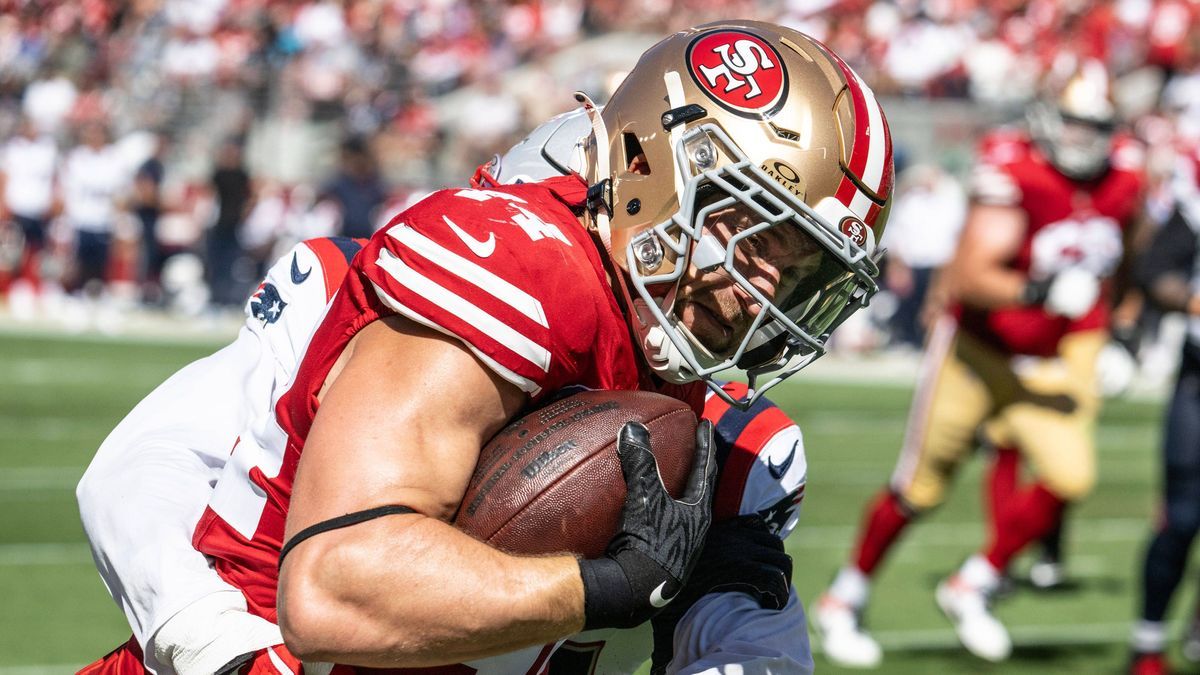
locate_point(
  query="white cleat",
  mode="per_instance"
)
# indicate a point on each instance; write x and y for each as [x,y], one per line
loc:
[1046,574]
[1191,642]
[841,635]
[967,608]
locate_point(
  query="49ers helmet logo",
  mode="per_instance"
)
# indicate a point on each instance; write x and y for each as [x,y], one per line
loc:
[740,71]
[855,230]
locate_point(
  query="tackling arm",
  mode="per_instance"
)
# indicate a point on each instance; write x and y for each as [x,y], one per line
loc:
[410,590]
[139,502]
[739,614]
[731,634]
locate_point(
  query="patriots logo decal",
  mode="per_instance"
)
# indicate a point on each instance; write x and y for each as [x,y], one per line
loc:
[266,305]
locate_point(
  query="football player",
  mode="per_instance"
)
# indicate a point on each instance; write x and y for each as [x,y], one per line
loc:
[1031,288]
[703,237]
[1168,273]
[761,477]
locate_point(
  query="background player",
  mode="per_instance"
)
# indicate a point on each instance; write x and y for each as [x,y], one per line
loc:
[733,264]
[1028,281]
[1168,273]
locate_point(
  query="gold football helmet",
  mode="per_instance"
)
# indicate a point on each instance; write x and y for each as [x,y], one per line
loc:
[1074,121]
[765,120]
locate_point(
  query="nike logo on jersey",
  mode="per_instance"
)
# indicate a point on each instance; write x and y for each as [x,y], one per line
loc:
[777,470]
[483,248]
[656,596]
[298,277]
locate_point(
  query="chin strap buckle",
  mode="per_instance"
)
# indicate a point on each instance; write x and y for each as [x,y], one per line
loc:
[599,197]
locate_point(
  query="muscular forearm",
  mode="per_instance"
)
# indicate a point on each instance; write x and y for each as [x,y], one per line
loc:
[410,591]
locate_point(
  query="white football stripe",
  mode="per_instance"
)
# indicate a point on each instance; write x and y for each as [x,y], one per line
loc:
[469,271]
[523,383]
[872,175]
[456,305]
[861,204]
[675,99]
[278,662]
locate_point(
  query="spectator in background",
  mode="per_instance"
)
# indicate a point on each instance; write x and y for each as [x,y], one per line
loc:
[146,204]
[234,196]
[357,188]
[49,100]
[490,120]
[922,232]
[28,163]
[91,183]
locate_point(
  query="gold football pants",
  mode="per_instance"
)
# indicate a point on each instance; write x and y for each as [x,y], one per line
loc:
[1045,407]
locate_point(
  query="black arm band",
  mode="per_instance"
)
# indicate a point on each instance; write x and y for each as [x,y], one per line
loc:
[340,522]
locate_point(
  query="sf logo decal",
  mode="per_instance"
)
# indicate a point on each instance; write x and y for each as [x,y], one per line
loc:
[748,57]
[740,71]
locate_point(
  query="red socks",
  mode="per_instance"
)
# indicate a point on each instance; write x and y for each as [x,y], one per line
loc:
[1027,516]
[885,520]
[1002,483]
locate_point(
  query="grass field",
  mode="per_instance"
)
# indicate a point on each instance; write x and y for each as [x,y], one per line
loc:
[59,397]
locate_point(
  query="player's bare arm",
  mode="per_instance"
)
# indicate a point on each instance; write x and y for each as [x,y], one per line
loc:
[402,424]
[1127,298]
[979,274]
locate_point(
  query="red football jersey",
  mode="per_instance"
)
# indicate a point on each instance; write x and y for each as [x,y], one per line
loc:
[1070,224]
[509,271]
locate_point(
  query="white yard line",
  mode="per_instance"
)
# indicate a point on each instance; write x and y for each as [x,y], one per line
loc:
[32,478]
[1023,636]
[25,555]
[1087,530]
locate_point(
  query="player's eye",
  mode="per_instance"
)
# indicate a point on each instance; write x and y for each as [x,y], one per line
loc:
[758,243]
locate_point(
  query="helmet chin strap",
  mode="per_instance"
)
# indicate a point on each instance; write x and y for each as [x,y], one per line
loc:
[602,168]
[661,354]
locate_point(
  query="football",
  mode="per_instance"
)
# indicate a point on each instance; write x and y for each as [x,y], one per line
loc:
[551,481]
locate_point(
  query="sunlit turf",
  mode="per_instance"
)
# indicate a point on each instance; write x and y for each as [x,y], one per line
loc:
[60,397]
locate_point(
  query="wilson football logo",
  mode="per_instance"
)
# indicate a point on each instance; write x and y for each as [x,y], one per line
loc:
[740,71]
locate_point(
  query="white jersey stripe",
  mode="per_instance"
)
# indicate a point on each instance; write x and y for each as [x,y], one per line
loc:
[484,279]
[278,662]
[523,383]
[872,175]
[941,339]
[456,305]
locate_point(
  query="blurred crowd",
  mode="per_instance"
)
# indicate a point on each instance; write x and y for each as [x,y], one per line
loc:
[163,150]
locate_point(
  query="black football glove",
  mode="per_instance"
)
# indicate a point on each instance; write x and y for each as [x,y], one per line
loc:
[275,660]
[740,555]
[649,559]
[1070,293]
